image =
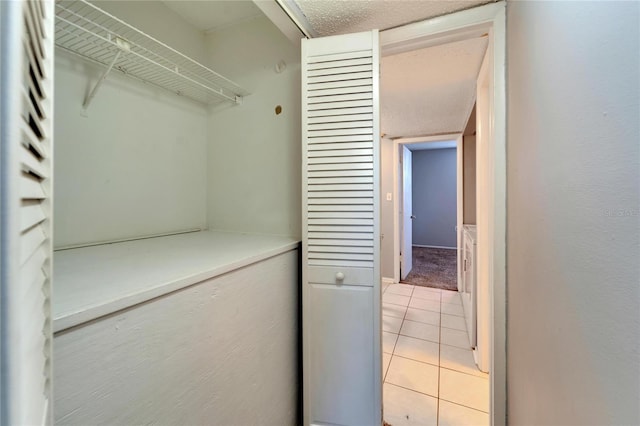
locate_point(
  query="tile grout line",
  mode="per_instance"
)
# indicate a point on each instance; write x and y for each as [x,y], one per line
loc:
[401,324]
[458,404]
[427,310]
[422,393]
[393,351]
[440,366]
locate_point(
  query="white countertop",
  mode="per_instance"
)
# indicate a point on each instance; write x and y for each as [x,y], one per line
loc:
[91,282]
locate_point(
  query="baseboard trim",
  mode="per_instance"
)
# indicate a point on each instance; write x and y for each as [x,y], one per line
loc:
[438,247]
[387,280]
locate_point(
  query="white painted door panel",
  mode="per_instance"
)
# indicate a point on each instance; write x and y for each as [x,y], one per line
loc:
[341,335]
[407,213]
[341,239]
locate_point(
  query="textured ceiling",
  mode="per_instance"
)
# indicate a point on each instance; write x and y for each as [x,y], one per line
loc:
[212,15]
[329,17]
[430,91]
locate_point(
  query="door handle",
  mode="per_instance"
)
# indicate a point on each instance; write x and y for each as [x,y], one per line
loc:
[412,216]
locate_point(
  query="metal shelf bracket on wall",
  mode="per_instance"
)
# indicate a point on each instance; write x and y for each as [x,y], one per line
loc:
[123,46]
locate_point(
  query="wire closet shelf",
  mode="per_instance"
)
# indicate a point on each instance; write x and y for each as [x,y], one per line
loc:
[88,31]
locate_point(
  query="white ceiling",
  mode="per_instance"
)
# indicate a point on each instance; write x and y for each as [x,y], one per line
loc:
[329,17]
[430,91]
[213,14]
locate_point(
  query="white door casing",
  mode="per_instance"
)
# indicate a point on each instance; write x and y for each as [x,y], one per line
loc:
[26,144]
[407,213]
[484,210]
[342,354]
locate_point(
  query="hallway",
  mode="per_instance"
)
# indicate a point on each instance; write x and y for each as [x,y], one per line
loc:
[429,374]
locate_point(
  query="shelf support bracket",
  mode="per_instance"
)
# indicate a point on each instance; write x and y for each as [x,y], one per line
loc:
[93,92]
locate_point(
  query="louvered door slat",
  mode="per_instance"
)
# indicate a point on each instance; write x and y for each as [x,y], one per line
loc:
[338,139]
[32,118]
[341,214]
[34,24]
[341,187]
[341,152]
[31,269]
[340,125]
[30,163]
[342,180]
[340,118]
[346,86]
[339,77]
[334,161]
[354,236]
[32,59]
[329,58]
[33,55]
[340,221]
[343,249]
[340,63]
[31,215]
[337,208]
[327,201]
[30,188]
[344,104]
[339,69]
[340,145]
[339,173]
[341,228]
[26,228]
[31,241]
[342,255]
[341,263]
[342,242]
[349,88]
[341,194]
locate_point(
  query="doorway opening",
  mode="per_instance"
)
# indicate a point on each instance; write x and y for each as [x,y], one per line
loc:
[467,322]
[428,201]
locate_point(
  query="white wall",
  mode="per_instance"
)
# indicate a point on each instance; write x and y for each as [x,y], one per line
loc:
[434,197]
[157,20]
[254,155]
[137,164]
[573,235]
[469,179]
[386,208]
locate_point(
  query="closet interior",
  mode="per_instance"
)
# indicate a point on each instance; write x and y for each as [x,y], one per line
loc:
[177,214]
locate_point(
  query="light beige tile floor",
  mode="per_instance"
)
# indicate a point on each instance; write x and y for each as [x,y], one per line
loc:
[430,377]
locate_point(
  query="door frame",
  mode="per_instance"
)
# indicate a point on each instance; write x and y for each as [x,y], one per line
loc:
[484,20]
[398,194]
[401,235]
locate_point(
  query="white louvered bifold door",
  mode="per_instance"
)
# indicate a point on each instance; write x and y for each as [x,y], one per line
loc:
[341,237]
[26,78]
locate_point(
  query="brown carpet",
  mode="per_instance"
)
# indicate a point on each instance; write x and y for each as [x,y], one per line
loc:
[433,267]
